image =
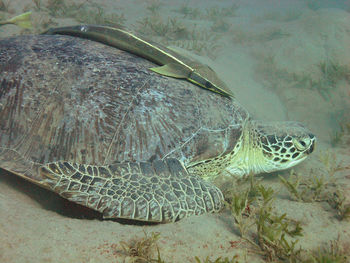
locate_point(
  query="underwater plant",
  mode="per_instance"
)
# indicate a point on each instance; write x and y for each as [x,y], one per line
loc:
[4,5]
[56,8]
[59,8]
[313,4]
[340,204]
[141,250]
[220,25]
[287,16]
[240,203]
[201,42]
[218,260]
[273,230]
[213,13]
[96,15]
[275,235]
[331,74]
[84,12]
[172,32]
[238,206]
[38,5]
[199,47]
[171,28]
[331,163]
[320,187]
[54,5]
[341,136]
[337,136]
[332,253]
[312,188]
[188,12]
[154,7]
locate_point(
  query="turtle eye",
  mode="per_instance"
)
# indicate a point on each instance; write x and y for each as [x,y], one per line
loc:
[302,144]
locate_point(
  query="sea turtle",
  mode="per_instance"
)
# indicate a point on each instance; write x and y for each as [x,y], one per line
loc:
[95,125]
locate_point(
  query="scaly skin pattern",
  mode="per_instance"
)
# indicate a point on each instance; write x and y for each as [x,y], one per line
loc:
[65,99]
[161,191]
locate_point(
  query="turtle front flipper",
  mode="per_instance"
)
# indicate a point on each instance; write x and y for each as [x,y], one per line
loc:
[159,191]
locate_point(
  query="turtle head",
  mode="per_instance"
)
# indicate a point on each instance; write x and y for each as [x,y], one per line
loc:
[281,145]
[262,147]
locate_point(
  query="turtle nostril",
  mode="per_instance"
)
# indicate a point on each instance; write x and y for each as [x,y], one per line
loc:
[311,136]
[311,148]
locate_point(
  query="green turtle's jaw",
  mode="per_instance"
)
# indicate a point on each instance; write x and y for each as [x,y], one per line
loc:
[289,145]
[269,147]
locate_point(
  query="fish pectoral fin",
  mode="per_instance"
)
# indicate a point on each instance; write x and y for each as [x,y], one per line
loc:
[172,70]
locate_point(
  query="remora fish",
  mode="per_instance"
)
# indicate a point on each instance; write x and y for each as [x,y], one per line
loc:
[171,63]
[22,20]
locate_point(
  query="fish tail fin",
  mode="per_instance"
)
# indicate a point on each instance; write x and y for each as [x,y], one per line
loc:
[22,20]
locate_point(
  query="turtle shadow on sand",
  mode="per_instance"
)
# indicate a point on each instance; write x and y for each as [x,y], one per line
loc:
[50,201]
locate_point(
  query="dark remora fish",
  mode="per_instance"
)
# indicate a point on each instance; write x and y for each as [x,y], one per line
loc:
[171,63]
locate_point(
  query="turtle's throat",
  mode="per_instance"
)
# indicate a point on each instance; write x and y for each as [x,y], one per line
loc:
[249,158]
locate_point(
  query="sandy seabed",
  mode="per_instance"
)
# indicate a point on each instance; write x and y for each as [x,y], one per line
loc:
[264,56]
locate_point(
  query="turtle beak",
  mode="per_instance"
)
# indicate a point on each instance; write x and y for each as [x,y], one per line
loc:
[312,146]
